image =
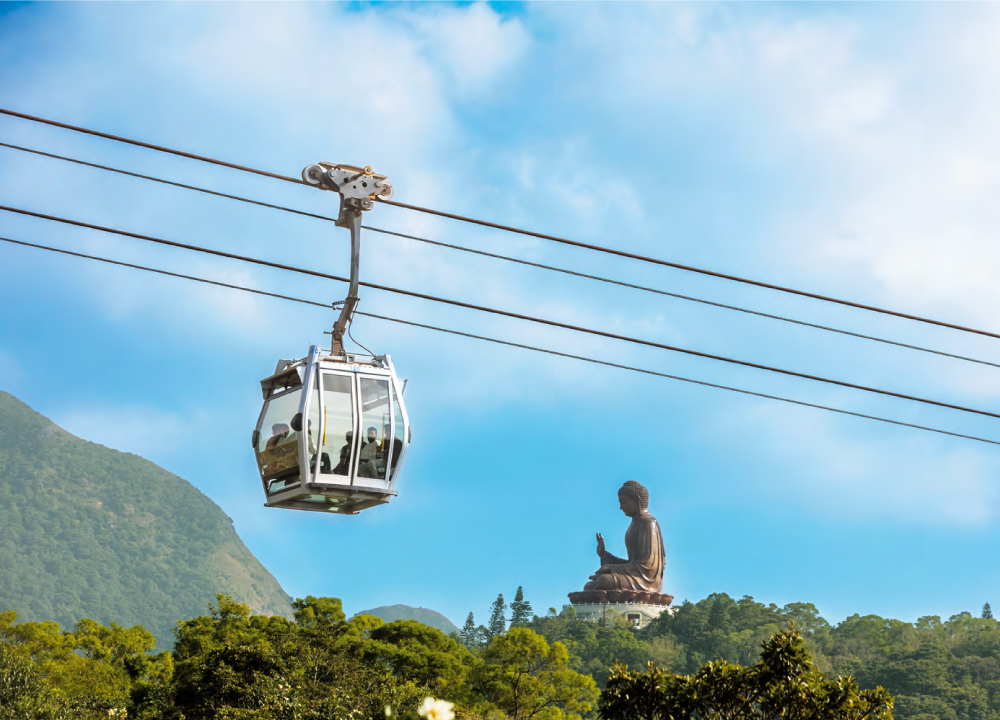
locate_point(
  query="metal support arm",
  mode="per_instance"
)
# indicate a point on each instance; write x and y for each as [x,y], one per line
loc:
[340,327]
[358,188]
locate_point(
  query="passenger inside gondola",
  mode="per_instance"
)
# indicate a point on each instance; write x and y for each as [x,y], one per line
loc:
[279,431]
[397,446]
[345,455]
[372,460]
[281,451]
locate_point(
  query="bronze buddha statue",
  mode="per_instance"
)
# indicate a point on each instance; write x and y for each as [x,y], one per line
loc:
[639,576]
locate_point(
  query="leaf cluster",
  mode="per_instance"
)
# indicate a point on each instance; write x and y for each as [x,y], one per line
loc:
[234,665]
[784,684]
[935,669]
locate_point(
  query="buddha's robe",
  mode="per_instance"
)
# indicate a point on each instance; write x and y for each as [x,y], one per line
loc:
[643,570]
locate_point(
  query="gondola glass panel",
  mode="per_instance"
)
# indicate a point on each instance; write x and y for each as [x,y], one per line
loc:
[377,424]
[314,427]
[277,444]
[397,441]
[338,425]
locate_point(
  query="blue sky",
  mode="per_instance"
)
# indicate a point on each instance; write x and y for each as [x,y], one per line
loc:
[845,149]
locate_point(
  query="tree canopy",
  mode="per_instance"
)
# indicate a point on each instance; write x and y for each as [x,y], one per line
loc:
[234,665]
[783,684]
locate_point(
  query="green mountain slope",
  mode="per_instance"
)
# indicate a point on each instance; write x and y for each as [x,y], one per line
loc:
[86,531]
[405,612]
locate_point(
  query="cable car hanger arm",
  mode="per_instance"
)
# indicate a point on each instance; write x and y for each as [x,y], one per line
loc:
[357,188]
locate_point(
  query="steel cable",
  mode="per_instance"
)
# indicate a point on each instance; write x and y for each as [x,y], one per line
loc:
[149,146]
[507,258]
[521,231]
[505,313]
[503,342]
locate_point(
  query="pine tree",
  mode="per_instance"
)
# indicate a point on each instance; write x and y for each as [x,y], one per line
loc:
[498,622]
[482,636]
[520,610]
[987,612]
[469,634]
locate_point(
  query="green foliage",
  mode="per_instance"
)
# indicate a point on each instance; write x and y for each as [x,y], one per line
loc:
[23,693]
[933,668]
[89,672]
[987,612]
[421,615]
[233,665]
[595,647]
[416,653]
[90,532]
[785,683]
[527,678]
[498,621]
[719,628]
[469,634]
[520,610]
[318,612]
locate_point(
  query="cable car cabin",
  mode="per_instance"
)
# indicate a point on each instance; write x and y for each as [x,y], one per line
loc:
[333,433]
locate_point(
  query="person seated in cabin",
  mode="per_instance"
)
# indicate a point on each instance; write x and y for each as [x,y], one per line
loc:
[371,456]
[344,466]
[279,431]
[389,456]
[280,452]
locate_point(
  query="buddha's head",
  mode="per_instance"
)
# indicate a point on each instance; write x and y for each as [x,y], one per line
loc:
[633,498]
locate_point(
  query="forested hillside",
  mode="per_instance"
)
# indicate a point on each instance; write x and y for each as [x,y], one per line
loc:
[422,615]
[86,531]
[935,669]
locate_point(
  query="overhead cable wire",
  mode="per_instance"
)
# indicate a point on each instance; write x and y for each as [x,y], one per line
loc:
[149,146]
[505,313]
[522,231]
[507,258]
[689,298]
[163,181]
[687,268]
[504,342]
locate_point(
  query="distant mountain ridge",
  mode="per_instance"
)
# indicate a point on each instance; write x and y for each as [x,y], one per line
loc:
[86,531]
[405,612]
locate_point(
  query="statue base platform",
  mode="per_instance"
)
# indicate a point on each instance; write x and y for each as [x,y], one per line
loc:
[620,596]
[638,608]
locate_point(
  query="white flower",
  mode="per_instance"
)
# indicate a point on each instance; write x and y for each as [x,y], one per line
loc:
[436,709]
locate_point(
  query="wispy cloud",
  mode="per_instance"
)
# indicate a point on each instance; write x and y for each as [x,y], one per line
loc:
[148,431]
[832,469]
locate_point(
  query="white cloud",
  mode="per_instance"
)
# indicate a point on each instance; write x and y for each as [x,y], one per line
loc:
[146,431]
[890,160]
[833,468]
[908,216]
[474,44]
[800,73]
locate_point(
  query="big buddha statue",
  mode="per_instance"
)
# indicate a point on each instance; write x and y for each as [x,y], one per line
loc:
[638,577]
